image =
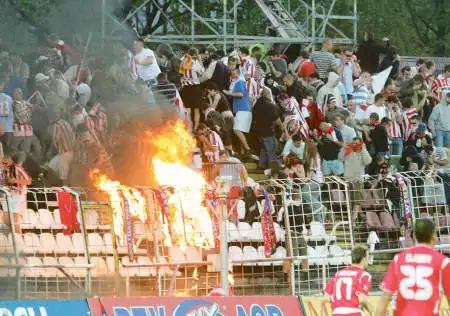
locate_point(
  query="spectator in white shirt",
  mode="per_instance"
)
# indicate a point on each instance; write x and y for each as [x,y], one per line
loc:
[147,67]
[378,107]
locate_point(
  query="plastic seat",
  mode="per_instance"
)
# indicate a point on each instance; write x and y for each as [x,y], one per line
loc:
[12,271]
[233,232]
[79,272]
[250,253]
[50,272]
[387,222]
[4,272]
[280,253]
[235,254]
[63,243]
[256,233]
[139,229]
[57,218]
[262,254]
[100,268]
[145,271]
[107,241]
[78,243]
[127,271]
[322,254]
[29,219]
[194,254]
[31,242]
[95,242]
[47,243]
[176,254]
[45,219]
[19,242]
[5,245]
[34,272]
[312,256]
[338,255]
[318,232]
[69,262]
[372,220]
[241,209]
[91,217]
[279,232]
[110,265]
[245,231]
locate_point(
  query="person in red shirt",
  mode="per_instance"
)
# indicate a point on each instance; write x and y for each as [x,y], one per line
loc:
[416,275]
[350,287]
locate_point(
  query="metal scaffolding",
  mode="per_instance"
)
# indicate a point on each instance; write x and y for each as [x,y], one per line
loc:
[294,21]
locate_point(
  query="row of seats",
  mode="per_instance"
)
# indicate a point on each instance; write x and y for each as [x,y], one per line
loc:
[44,219]
[251,253]
[60,244]
[332,255]
[102,267]
[245,232]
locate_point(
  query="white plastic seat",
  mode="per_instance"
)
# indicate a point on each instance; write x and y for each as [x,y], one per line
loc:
[256,233]
[91,217]
[241,209]
[67,261]
[79,272]
[5,245]
[262,254]
[245,231]
[122,247]
[107,241]
[63,243]
[57,218]
[110,265]
[4,271]
[193,254]
[145,271]
[47,243]
[233,232]
[176,254]
[337,255]
[29,219]
[235,254]
[45,219]
[50,272]
[280,253]
[250,253]
[95,242]
[322,254]
[100,268]
[139,228]
[31,242]
[78,243]
[318,232]
[12,271]
[312,256]
[33,272]
[19,242]
[127,271]
[279,232]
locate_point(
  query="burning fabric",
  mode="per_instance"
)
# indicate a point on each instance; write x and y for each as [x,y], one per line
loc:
[179,193]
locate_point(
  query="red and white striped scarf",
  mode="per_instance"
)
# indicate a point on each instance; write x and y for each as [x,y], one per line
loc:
[267,226]
[440,83]
[215,141]
[23,130]
[406,122]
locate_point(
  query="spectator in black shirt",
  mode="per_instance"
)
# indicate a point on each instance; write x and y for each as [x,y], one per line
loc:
[265,115]
[164,89]
[329,145]
[377,139]
[294,88]
[416,147]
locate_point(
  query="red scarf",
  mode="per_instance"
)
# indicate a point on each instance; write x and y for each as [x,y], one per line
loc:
[352,147]
[68,212]
[232,200]
[329,130]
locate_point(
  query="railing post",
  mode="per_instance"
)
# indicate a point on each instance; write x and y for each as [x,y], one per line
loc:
[86,245]
[13,239]
[224,247]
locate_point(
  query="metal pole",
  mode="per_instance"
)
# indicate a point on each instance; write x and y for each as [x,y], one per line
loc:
[313,25]
[192,20]
[224,248]
[224,31]
[355,22]
[103,22]
[235,22]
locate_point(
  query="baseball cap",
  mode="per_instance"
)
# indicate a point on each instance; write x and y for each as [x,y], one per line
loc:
[422,128]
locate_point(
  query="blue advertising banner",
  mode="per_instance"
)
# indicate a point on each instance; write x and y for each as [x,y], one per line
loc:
[45,308]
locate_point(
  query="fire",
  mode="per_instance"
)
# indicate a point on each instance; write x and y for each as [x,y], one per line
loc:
[169,149]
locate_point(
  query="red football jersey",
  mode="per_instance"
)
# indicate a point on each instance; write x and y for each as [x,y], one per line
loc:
[344,288]
[416,275]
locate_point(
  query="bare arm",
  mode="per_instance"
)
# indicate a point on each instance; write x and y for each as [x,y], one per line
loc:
[383,304]
[365,305]
[147,61]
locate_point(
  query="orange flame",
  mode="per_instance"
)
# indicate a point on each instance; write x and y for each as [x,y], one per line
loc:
[170,150]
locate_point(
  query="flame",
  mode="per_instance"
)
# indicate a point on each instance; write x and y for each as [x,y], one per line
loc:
[170,151]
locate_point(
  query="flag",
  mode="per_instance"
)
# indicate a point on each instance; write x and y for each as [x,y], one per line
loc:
[379,80]
[268,229]
[68,212]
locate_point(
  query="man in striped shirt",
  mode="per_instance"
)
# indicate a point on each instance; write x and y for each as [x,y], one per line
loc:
[324,60]
[394,130]
[63,138]
[410,118]
[441,83]
[361,96]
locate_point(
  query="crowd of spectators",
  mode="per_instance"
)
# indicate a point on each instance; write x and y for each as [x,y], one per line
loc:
[311,115]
